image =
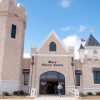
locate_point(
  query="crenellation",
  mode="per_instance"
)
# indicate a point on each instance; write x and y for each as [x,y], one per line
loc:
[5,4]
[11,8]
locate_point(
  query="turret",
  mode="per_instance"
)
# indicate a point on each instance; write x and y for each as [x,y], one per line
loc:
[93,48]
[12,29]
[81,53]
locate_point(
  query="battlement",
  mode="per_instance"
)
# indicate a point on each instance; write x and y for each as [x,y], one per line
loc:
[10,7]
[4,4]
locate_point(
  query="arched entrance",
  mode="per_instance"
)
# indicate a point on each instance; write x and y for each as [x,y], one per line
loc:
[49,82]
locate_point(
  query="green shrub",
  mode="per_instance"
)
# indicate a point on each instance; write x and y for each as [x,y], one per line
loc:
[98,93]
[89,93]
[19,93]
[5,93]
[22,92]
[15,93]
[81,94]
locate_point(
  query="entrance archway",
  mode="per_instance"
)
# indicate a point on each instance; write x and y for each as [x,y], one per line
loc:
[49,82]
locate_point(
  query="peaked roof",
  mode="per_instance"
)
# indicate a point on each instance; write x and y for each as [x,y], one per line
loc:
[92,41]
[81,46]
[53,33]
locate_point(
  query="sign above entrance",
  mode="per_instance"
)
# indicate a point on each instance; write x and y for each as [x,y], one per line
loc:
[52,63]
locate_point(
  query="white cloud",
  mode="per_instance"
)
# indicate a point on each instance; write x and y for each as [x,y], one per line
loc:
[65,29]
[82,28]
[77,29]
[72,41]
[65,3]
[26,56]
[68,28]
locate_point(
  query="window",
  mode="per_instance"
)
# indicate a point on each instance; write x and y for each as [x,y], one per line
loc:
[77,76]
[52,75]
[26,76]
[13,31]
[96,76]
[52,46]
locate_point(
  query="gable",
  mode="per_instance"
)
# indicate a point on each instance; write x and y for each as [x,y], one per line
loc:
[60,49]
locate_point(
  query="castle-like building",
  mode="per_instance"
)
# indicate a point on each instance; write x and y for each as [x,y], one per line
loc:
[49,64]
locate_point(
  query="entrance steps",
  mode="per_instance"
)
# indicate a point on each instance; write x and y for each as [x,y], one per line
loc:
[48,97]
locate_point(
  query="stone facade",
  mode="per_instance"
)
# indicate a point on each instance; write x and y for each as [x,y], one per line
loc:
[85,64]
[47,66]
[11,50]
[62,57]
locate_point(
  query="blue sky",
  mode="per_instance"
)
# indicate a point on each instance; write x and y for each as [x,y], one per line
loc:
[67,17]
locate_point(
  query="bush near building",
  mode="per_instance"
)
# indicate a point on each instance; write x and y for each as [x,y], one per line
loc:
[5,93]
[98,93]
[19,93]
[89,93]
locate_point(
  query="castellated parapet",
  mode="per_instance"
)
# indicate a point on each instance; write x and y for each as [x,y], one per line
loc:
[10,8]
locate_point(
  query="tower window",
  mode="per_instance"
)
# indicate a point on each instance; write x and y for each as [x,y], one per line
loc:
[52,46]
[13,31]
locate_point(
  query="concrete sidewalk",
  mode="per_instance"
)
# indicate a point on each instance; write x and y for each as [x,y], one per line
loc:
[55,98]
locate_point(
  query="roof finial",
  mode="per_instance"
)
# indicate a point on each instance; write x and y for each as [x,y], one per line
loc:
[91,31]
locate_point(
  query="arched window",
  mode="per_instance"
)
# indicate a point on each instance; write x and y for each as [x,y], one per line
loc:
[52,46]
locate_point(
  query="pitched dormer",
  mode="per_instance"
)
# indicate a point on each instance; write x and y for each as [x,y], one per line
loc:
[53,45]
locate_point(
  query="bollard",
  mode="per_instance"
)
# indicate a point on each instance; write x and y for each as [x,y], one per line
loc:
[33,92]
[76,93]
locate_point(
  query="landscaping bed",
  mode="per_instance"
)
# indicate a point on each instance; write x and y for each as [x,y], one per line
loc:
[15,97]
[90,98]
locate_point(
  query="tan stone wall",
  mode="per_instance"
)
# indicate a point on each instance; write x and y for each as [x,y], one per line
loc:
[26,63]
[13,48]
[78,65]
[87,70]
[2,38]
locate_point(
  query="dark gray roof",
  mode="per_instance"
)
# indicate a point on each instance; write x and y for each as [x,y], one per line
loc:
[81,46]
[92,41]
